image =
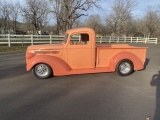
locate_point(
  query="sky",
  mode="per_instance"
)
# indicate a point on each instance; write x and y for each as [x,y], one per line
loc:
[138,11]
[140,6]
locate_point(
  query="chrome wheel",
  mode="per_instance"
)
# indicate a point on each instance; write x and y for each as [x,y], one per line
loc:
[42,70]
[124,67]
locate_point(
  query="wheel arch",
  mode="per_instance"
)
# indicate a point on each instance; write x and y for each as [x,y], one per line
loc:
[137,63]
[58,66]
[125,60]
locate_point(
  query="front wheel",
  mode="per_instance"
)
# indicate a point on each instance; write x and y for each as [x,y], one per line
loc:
[42,71]
[124,68]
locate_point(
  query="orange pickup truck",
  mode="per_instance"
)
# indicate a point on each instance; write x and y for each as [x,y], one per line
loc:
[83,56]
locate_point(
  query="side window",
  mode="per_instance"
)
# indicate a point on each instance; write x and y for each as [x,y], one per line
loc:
[79,39]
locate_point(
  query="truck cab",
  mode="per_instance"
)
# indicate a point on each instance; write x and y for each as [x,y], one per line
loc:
[83,55]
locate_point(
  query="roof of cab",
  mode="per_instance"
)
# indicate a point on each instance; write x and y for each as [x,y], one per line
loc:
[80,30]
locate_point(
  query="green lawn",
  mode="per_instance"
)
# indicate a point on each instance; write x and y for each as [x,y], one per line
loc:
[12,49]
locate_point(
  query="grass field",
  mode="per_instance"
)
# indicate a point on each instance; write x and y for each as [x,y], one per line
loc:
[12,49]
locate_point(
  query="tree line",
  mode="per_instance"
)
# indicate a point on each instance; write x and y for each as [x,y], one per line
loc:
[57,16]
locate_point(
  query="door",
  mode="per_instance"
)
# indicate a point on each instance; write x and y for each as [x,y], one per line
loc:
[79,52]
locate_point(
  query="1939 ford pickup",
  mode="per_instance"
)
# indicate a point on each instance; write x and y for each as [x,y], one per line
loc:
[83,56]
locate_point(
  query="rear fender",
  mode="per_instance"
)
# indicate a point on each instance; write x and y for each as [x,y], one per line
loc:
[137,63]
[59,66]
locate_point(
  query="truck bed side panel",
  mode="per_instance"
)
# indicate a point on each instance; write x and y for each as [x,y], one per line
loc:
[105,54]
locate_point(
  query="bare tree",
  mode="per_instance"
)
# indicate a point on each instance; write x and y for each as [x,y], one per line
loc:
[5,16]
[120,15]
[36,13]
[14,15]
[0,18]
[57,10]
[135,28]
[68,11]
[149,26]
[95,22]
[158,21]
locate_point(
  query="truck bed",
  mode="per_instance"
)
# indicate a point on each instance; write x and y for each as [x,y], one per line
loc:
[107,51]
[116,46]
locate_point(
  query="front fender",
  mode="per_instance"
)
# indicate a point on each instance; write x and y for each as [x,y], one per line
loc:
[138,64]
[59,66]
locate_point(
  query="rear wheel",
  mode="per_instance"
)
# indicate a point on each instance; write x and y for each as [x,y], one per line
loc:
[124,68]
[42,71]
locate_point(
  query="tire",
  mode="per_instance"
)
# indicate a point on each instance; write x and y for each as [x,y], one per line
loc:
[124,68]
[42,71]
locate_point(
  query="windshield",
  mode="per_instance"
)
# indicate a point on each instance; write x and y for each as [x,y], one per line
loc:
[65,38]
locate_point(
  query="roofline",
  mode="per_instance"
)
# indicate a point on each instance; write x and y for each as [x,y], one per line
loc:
[80,30]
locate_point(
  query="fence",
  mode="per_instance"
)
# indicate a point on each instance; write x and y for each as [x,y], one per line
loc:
[10,40]
[110,39]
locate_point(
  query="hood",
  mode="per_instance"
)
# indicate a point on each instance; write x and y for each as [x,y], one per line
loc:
[45,47]
[51,49]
